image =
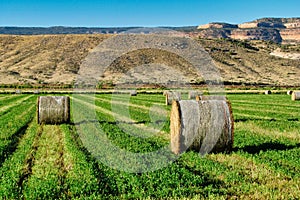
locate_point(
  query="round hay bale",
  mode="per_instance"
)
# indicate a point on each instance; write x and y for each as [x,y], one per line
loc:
[268,92]
[290,92]
[53,109]
[204,126]
[211,97]
[296,96]
[165,93]
[18,92]
[133,93]
[172,96]
[36,92]
[194,94]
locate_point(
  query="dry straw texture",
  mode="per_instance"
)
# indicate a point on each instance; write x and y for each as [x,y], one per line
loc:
[268,92]
[53,109]
[203,126]
[211,97]
[296,96]
[290,92]
[193,94]
[133,93]
[172,96]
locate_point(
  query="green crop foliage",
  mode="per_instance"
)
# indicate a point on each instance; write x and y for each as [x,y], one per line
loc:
[62,162]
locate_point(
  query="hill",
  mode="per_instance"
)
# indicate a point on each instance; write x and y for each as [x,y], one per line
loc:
[280,30]
[55,59]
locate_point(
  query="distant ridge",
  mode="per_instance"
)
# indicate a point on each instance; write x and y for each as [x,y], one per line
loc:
[77,30]
[279,30]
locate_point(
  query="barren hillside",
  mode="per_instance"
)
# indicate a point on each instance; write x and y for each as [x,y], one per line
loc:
[56,59]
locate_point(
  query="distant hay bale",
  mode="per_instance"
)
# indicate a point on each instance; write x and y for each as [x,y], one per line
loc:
[290,92]
[36,92]
[296,96]
[268,92]
[211,97]
[18,92]
[53,110]
[172,96]
[194,94]
[133,93]
[204,126]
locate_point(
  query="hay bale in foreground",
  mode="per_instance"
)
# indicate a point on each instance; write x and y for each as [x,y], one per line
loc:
[268,92]
[172,96]
[296,96]
[204,126]
[53,110]
[290,92]
[133,93]
[193,94]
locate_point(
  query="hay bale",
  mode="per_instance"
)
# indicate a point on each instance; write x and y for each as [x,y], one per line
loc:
[53,109]
[36,92]
[204,126]
[172,96]
[18,92]
[268,92]
[290,92]
[296,96]
[211,97]
[133,93]
[194,94]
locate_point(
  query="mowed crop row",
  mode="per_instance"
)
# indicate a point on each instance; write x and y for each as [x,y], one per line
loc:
[78,161]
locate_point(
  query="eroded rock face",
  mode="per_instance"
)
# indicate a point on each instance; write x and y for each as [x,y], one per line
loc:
[217,25]
[280,30]
[257,34]
[290,35]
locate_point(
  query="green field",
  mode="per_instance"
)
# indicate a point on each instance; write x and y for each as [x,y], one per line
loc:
[52,162]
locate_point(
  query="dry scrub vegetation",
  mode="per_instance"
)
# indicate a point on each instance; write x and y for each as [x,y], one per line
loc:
[56,59]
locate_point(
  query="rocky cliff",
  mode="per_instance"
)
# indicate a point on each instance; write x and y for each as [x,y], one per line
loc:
[280,30]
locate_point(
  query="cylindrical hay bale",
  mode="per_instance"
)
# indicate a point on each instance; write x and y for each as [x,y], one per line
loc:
[204,126]
[296,96]
[290,92]
[193,94]
[18,92]
[268,92]
[172,96]
[133,93]
[53,110]
[211,97]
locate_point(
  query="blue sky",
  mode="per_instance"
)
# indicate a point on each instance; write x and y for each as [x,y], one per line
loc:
[112,13]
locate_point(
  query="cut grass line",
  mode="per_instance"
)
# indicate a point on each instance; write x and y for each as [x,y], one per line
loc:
[8,97]
[266,111]
[120,102]
[147,99]
[13,169]
[253,128]
[46,180]
[291,105]
[265,183]
[238,115]
[4,108]
[81,179]
[13,123]
[143,130]
[127,104]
